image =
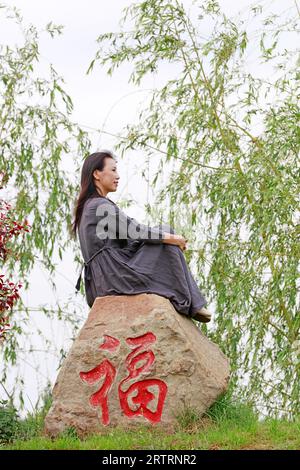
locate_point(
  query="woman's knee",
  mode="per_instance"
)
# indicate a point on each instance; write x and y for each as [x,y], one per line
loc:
[166,228]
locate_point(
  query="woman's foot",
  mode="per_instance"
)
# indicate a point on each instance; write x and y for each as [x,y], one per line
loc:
[203,316]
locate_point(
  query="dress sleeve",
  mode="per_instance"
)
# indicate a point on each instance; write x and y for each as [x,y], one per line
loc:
[145,233]
[115,224]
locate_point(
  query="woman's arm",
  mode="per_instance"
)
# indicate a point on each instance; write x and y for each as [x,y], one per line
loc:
[114,223]
[154,235]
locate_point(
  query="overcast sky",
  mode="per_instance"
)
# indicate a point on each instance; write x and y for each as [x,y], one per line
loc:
[100,101]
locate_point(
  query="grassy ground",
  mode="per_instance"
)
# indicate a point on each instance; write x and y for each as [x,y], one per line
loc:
[224,427]
[271,435]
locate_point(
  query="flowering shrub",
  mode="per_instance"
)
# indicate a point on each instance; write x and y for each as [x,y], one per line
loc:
[9,291]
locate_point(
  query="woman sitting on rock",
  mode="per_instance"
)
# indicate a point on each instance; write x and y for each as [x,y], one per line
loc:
[124,257]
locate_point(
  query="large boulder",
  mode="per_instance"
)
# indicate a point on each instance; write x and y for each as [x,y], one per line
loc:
[135,361]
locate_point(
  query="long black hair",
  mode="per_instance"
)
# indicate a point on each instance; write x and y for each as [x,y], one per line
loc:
[95,161]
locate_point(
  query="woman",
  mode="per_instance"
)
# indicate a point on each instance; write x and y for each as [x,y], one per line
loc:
[123,256]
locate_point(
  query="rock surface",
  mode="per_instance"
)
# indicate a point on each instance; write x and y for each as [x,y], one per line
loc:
[135,361]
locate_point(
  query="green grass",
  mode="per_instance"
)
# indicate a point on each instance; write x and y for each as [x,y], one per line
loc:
[225,426]
[212,436]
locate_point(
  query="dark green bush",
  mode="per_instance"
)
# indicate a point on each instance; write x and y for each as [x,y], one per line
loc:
[9,422]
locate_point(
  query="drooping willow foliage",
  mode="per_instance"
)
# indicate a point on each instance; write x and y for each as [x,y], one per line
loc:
[36,135]
[38,141]
[232,136]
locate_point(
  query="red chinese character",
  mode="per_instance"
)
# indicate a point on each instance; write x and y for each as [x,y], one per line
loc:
[99,398]
[107,370]
[143,397]
[110,343]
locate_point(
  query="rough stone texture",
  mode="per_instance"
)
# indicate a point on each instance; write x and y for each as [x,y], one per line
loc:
[193,368]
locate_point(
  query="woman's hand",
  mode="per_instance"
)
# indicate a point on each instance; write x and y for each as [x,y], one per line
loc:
[173,239]
[182,242]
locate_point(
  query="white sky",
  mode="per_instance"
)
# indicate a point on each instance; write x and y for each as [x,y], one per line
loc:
[98,99]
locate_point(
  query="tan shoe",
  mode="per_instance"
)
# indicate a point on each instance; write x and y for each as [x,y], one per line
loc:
[203,316]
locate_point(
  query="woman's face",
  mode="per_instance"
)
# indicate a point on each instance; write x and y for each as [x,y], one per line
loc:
[107,179]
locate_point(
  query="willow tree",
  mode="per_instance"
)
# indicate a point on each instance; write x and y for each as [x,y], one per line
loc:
[39,142]
[233,139]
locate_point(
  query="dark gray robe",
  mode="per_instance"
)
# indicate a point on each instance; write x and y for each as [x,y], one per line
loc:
[135,265]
